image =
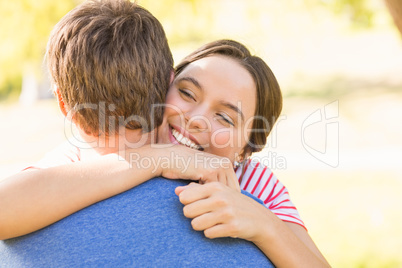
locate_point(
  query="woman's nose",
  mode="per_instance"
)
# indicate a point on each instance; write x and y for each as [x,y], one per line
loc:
[197,122]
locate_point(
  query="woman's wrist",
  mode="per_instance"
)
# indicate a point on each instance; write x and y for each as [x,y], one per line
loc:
[156,156]
[266,225]
[144,159]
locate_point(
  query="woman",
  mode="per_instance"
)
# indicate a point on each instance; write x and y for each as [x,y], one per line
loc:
[225,101]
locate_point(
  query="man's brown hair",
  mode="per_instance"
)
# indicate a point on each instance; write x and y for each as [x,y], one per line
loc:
[269,96]
[111,62]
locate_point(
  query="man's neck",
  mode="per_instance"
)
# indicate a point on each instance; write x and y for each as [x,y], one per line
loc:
[118,142]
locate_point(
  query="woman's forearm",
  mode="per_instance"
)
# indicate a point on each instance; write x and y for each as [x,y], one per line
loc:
[286,247]
[31,200]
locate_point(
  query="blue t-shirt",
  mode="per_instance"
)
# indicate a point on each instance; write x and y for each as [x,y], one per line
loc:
[141,227]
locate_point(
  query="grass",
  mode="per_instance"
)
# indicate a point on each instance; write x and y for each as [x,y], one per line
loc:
[338,86]
[352,216]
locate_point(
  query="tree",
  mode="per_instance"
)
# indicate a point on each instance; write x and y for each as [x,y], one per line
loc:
[395,8]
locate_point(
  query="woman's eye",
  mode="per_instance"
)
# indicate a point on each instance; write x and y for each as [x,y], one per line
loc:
[186,94]
[226,119]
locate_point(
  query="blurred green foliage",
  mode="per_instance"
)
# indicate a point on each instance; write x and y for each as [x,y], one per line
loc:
[24,29]
[25,25]
[183,20]
[359,12]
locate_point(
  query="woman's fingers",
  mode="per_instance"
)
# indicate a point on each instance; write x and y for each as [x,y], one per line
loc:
[218,230]
[204,221]
[197,208]
[192,193]
[179,189]
[222,177]
[220,211]
[216,209]
[201,199]
[214,225]
[232,181]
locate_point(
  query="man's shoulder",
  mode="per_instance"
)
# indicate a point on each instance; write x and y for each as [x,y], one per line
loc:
[142,226]
[70,151]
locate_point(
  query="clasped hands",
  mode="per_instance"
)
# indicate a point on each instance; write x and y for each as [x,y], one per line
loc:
[220,211]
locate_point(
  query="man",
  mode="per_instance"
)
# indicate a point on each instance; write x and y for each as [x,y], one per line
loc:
[114,55]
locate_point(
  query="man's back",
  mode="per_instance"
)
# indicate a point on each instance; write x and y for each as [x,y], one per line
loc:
[143,226]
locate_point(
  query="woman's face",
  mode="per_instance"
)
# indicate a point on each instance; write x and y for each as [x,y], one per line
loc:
[210,107]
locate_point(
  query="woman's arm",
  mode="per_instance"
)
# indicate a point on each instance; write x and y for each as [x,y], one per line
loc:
[31,200]
[221,212]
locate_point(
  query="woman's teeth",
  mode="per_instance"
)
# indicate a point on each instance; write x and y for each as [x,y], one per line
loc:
[184,141]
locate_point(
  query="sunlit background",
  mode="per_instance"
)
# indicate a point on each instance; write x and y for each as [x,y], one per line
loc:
[337,144]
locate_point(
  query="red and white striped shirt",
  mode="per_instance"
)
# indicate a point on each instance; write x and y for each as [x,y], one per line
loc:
[259,181]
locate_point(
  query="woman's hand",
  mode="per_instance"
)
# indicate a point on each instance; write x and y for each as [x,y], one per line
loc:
[222,212]
[180,162]
[186,163]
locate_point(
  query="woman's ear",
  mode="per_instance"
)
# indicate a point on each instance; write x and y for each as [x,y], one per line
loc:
[238,159]
[60,101]
[244,154]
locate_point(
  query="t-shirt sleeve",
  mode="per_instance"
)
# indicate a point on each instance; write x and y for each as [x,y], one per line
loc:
[252,197]
[65,153]
[260,181]
[278,201]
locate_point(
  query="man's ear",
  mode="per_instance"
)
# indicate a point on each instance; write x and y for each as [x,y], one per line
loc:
[171,77]
[60,101]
